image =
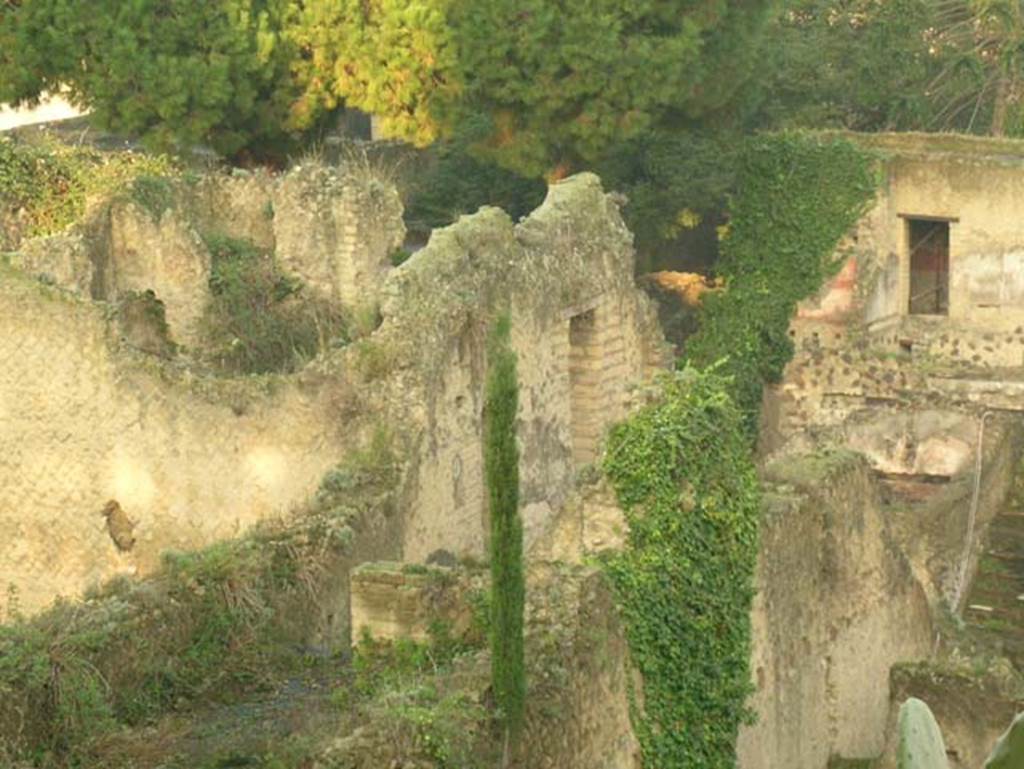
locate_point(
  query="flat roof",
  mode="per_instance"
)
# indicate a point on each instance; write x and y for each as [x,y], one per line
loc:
[937,146]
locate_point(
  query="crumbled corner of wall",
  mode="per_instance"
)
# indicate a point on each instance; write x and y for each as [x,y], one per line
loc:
[143,323]
[579,667]
[813,471]
[574,247]
[973,698]
[589,524]
[391,600]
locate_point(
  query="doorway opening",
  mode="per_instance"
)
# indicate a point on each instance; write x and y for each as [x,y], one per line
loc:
[929,266]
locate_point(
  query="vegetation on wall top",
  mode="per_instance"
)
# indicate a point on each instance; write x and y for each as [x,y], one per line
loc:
[259,319]
[50,183]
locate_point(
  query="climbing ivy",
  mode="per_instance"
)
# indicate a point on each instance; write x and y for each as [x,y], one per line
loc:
[798,194]
[683,467]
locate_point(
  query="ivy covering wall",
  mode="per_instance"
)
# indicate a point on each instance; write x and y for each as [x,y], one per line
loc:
[798,195]
[683,467]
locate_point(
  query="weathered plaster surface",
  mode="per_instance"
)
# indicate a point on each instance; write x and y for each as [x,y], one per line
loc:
[837,605]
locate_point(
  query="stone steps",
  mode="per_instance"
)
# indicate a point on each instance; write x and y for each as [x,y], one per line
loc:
[994,612]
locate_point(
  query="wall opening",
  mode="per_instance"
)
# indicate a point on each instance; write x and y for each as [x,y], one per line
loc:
[929,266]
[584,387]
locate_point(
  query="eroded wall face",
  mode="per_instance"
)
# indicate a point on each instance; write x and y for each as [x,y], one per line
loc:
[81,424]
[837,606]
[571,262]
[192,459]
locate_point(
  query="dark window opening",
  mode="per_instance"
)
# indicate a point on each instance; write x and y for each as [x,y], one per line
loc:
[929,266]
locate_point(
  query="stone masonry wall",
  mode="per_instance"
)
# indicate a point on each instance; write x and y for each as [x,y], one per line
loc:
[83,423]
[572,257]
[193,459]
[333,230]
[837,605]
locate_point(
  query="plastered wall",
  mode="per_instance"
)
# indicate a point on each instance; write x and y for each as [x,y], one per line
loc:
[974,184]
[82,423]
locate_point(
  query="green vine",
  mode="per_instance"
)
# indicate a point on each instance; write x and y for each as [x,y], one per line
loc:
[798,195]
[683,467]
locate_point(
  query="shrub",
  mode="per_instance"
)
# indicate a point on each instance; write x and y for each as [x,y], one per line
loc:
[683,471]
[51,183]
[259,319]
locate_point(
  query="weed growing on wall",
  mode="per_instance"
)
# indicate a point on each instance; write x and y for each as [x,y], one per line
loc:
[683,467]
[508,591]
[259,319]
[50,183]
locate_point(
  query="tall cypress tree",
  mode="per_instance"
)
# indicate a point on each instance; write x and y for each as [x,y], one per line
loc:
[508,592]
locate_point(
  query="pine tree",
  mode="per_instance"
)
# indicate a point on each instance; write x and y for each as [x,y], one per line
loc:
[555,82]
[172,72]
[508,592]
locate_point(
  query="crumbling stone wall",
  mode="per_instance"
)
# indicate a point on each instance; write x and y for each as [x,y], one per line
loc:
[837,606]
[332,229]
[337,231]
[571,257]
[190,461]
[193,459]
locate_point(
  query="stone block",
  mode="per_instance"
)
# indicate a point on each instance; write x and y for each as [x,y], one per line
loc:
[392,600]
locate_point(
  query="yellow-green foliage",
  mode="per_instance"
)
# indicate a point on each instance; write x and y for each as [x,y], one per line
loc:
[52,183]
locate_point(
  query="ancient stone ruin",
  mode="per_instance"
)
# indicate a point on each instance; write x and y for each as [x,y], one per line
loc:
[889,452]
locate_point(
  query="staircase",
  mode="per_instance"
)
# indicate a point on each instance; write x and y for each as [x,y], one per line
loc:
[995,605]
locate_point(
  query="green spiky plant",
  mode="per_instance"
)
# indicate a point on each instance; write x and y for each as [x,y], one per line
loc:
[921,745]
[508,590]
[1008,752]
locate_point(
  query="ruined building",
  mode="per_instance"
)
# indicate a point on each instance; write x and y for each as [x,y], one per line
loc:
[889,451]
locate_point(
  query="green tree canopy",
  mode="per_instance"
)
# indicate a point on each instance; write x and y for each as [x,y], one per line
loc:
[560,81]
[555,82]
[174,72]
[858,64]
[930,65]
